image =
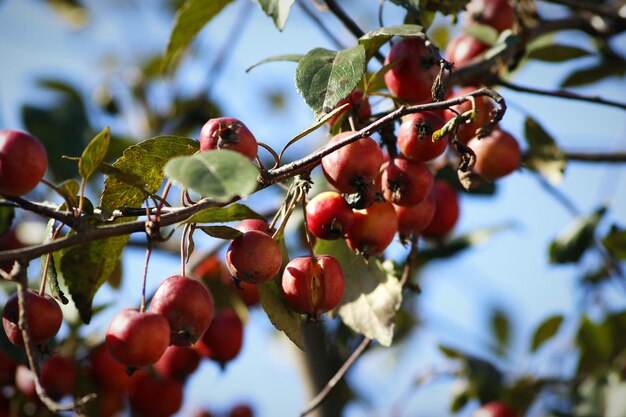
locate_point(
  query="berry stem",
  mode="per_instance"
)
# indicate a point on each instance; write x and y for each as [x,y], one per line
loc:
[142,307]
[81,200]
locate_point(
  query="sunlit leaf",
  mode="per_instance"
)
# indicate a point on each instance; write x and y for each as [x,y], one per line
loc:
[51,274]
[221,232]
[94,154]
[371,296]
[278,58]
[576,239]
[230,213]
[190,19]
[278,10]
[557,53]
[594,73]
[325,77]
[7,214]
[546,330]
[544,155]
[615,242]
[219,175]
[376,38]
[484,33]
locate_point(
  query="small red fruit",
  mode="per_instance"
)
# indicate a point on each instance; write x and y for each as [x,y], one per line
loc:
[495,409]
[228,133]
[43,318]
[137,339]
[25,381]
[241,410]
[328,216]
[446,211]
[249,293]
[414,72]
[497,154]
[178,362]
[357,107]
[108,373]
[463,48]
[495,13]
[415,136]
[406,182]
[58,377]
[188,307]
[413,219]
[153,396]
[224,338]
[9,241]
[313,285]
[254,257]
[7,369]
[254,224]
[354,167]
[373,229]
[23,162]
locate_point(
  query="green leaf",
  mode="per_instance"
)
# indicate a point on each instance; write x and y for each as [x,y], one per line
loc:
[94,154]
[501,328]
[371,297]
[86,267]
[325,77]
[556,53]
[52,277]
[546,331]
[144,162]
[596,72]
[576,239]
[373,40]
[484,33]
[232,212]
[7,214]
[219,175]
[544,156]
[458,244]
[445,7]
[190,19]
[69,190]
[278,10]
[615,242]
[278,58]
[281,316]
[221,232]
[595,341]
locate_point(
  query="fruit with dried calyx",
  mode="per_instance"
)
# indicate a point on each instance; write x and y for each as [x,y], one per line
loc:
[415,136]
[228,133]
[373,229]
[328,216]
[406,182]
[254,257]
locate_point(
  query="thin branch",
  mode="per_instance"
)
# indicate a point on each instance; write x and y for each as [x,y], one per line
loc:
[588,7]
[319,398]
[609,157]
[350,24]
[43,210]
[561,94]
[79,404]
[308,162]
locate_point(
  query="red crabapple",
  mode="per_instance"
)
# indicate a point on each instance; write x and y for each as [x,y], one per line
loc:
[413,219]
[313,285]
[328,216]
[188,307]
[497,154]
[415,136]
[495,409]
[137,339]
[254,257]
[23,162]
[178,362]
[373,229]
[446,211]
[406,182]
[43,318]
[357,106]
[153,396]
[224,338]
[498,14]
[414,72]
[228,133]
[463,48]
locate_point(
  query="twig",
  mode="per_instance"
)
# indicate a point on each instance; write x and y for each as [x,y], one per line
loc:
[350,24]
[319,398]
[43,210]
[308,162]
[561,94]
[79,404]
[589,7]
